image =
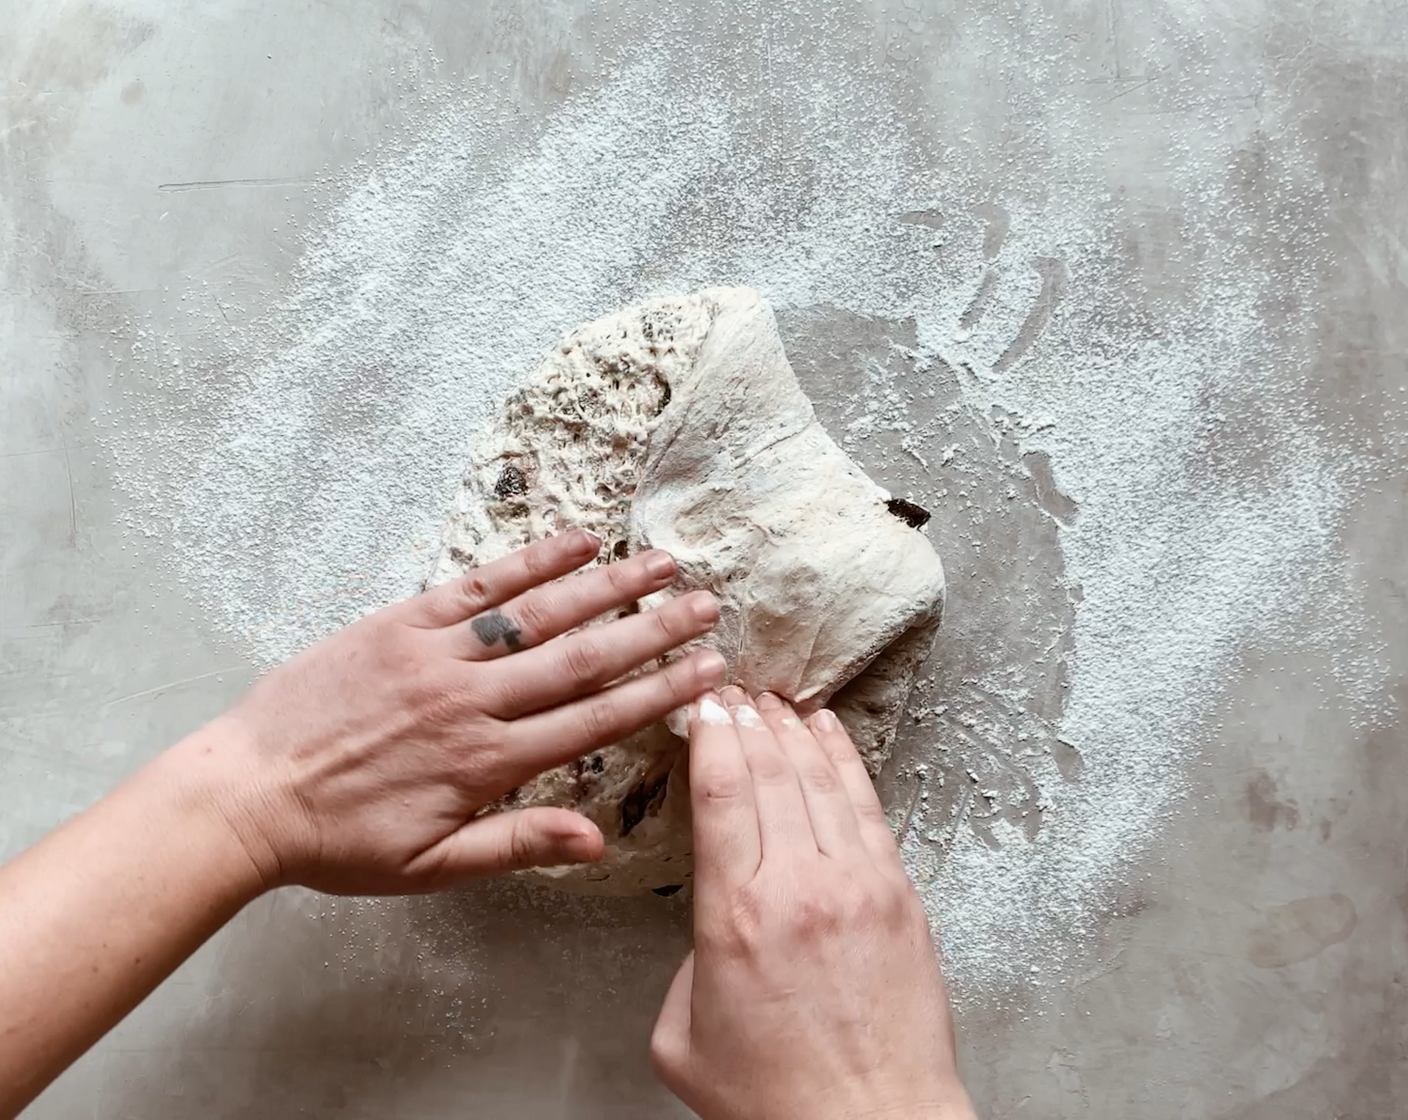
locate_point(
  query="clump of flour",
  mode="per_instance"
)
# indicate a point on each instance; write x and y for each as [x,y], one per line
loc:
[1008,345]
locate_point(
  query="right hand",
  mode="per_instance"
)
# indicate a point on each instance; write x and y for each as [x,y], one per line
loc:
[814,988]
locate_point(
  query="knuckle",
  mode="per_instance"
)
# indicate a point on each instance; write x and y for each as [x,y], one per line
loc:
[533,617]
[663,1055]
[677,683]
[883,903]
[598,726]
[622,578]
[905,907]
[516,847]
[681,672]
[472,738]
[582,661]
[816,916]
[481,769]
[838,758]
[740,935]
[769,766]
[870,813]
[440,700]
[375,640]
[821,779]
[538,558]
[869,906]
[495,693]
[475,590]
[667,625]
[719,783]
[737,929]
[668,1054]
[520,845]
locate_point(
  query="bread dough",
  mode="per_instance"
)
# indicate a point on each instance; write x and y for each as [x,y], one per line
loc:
[678,424]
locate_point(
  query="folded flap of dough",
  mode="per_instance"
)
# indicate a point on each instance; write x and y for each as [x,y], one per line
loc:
[756,502]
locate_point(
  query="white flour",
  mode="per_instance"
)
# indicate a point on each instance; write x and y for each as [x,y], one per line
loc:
[439,277]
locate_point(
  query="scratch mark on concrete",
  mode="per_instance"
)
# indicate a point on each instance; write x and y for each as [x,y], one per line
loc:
[1129,89]
[72,498]
[221,184]
[1116,963]
[170,684]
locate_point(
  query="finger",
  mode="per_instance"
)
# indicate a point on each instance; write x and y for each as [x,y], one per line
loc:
[828,805]
[783,825]
[538,742]
[589,660]
[499,842]
[727,847]
[488,586]
[669,1041]
[865,802]
[545,612]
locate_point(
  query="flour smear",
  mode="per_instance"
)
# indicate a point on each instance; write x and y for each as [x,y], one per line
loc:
[438,275]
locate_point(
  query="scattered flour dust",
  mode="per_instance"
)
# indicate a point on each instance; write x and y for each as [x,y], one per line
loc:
[437,277]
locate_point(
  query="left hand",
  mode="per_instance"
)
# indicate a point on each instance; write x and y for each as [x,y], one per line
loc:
[361,765]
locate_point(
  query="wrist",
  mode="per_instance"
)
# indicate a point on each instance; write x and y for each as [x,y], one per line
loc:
[213,779]
[956,1109]
[948,1102]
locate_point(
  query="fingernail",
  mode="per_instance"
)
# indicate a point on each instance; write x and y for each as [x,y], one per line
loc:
[769,701]
[826,720]
[581,847]
[660,564]
[733,696]
[589,538]
[705,607]
[745,716]
[711,666]
[712,712]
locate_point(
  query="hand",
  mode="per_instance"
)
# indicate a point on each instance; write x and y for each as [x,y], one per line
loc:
[814,989]
[359,766]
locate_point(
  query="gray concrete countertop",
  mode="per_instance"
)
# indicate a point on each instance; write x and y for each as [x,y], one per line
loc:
[1119,290]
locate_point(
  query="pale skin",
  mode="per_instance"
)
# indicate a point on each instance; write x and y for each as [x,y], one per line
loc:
[813,989]
[360,767]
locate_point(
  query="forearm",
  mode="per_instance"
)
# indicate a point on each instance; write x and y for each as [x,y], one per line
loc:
[97,914]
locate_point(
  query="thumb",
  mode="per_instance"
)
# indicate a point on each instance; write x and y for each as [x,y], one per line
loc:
[669,1042]
[499,842]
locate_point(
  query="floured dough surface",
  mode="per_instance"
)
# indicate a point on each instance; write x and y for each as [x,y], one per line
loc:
[678,424]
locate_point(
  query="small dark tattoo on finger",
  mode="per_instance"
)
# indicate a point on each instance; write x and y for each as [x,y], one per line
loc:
[492,627]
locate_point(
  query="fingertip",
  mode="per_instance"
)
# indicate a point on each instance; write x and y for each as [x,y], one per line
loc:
[771,702]
[585,846]
[660,565]
[584,541]
[577,839]
[704,607]
[746,716]
[710,667]
[733,696]
[825,721]
[709,710]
